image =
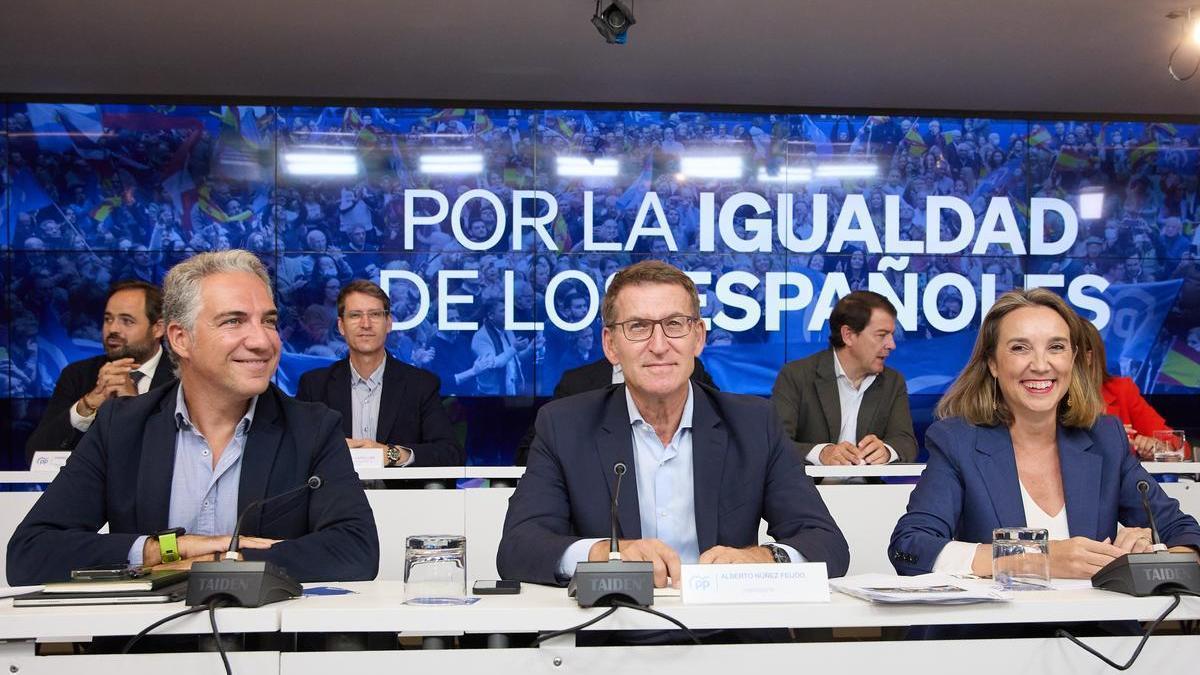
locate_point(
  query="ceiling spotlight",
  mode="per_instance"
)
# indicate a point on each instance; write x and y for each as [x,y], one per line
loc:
[1191,29]
[614,21]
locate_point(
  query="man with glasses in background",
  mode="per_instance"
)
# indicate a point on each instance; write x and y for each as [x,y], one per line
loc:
[385,403]
[707,466]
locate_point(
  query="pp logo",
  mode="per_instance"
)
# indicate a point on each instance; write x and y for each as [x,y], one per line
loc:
[42,461]
[701,583]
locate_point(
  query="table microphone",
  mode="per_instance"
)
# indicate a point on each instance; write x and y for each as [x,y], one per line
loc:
[313,483]
[614,545]
[600,583]
[1143,486]
[243,582]
[1154,573]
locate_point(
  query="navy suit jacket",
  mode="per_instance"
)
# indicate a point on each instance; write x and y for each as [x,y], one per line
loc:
[970,487]
[744,471]
[121,472]
[54,431]
[594,375]
[410,409]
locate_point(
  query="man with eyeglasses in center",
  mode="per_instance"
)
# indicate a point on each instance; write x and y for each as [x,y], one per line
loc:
[384,402]
[705,466]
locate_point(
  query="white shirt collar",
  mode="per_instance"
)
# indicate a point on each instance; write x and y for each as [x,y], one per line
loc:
[150,366]
[841,374]
[373,380]
[635,415]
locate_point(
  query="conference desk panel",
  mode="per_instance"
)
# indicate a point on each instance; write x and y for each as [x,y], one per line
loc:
[175,663]
[1164,654]
[377,606]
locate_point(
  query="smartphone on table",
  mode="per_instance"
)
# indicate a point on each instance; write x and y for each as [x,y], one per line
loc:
[496,587]
[108,572]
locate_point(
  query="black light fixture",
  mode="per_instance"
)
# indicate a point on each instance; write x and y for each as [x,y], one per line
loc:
[614,21]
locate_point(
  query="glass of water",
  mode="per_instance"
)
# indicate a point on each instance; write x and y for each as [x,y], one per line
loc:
[1169,445]
[435,569]
[1021,558]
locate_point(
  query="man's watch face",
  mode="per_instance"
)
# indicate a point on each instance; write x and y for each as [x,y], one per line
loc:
[393,454]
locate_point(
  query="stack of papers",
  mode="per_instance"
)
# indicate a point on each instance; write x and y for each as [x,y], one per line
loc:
[926,589]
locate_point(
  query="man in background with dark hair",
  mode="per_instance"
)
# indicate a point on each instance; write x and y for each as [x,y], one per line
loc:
[384,402]
[842,405]
[130,365]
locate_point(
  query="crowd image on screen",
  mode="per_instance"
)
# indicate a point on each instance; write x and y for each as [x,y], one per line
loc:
[96,193]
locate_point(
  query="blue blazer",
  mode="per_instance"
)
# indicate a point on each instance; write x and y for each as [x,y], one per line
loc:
[121,471]
[744,471]
[970,487]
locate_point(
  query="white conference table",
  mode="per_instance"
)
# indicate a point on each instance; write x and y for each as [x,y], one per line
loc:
[377,607]
[22,627]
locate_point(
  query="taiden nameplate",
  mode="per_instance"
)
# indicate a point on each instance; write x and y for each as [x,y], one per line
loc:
[747,583]
[366,458]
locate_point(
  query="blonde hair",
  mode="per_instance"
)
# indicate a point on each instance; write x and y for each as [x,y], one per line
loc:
[975,395]
[1093,344]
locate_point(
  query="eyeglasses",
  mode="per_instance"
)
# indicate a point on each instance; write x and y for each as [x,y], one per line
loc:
[375,315]
[640,330]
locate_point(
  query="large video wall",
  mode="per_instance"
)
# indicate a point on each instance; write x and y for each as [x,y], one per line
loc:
[495,230]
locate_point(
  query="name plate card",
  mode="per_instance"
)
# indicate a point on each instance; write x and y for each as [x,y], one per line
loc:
[754,583]
[49,460]
[366,458]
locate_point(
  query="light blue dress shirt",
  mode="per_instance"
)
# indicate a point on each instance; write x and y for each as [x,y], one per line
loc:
[666,490]
[365,393]
[204,498]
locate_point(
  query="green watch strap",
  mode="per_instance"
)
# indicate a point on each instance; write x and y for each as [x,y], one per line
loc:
[168,547]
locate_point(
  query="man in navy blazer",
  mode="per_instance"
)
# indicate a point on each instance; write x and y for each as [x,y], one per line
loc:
[384,402]
[194,455]
[130,365]
[705,467]
[595,375]
[970,487]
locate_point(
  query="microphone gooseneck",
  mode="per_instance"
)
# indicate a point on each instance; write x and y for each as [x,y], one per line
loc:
[614,547]
[1143,487]
[313,483]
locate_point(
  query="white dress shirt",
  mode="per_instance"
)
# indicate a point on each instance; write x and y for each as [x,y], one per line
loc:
[957,556]
[147,370]
[850,399]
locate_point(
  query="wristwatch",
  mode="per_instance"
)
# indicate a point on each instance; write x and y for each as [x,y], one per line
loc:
[168,544]
[778,553]
[391,457]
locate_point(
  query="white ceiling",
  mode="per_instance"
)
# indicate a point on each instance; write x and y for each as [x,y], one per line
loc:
[1086,56]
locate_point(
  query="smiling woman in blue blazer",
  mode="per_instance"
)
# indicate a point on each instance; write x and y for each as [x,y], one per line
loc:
[1022,442]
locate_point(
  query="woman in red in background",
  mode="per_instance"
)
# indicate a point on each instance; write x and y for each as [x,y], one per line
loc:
[1122,399]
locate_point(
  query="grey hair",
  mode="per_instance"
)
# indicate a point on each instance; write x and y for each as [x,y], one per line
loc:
[181,288]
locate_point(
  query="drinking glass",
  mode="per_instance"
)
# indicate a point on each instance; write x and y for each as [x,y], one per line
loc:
[435,569]
[1021,558]
[1169,445]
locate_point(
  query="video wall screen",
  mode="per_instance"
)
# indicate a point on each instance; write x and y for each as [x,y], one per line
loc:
[494,232]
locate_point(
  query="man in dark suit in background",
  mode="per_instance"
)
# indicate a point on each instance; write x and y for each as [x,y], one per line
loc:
[171,470]
[130,365]
[596,375]
[842,405]
[708,466]
[384,402]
